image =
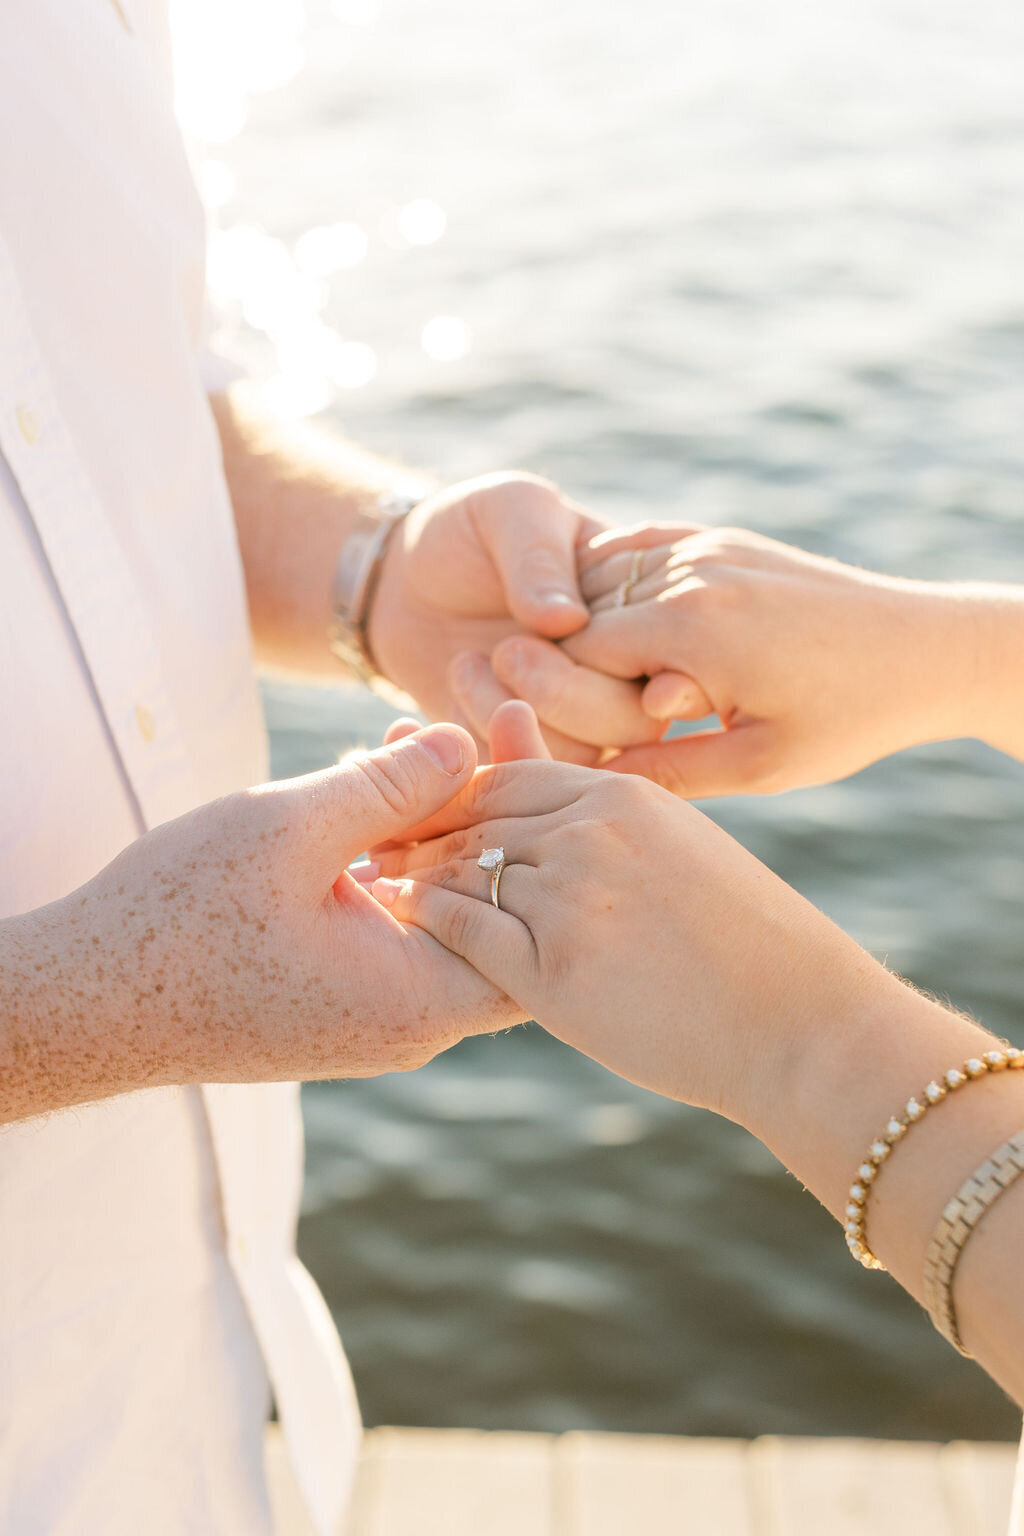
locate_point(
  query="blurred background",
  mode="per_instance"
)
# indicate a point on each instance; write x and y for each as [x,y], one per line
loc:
[744,262]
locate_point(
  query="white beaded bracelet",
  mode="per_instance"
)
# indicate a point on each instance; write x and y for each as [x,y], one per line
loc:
[896,1129]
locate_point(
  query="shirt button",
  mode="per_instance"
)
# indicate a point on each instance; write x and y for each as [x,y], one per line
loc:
[145,722]
[28,424]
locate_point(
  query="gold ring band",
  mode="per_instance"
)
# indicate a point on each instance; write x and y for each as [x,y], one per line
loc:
[493,861]
[636,566]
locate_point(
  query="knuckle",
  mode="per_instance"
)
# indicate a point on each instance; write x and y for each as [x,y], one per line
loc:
[628,795]
[460,844]
[539,563]
[576,838]
[448,873]
[458,925]
[393,779]
[505,492]
[729,540]
[730,536]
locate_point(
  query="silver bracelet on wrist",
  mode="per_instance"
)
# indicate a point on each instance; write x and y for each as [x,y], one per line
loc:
[360,561]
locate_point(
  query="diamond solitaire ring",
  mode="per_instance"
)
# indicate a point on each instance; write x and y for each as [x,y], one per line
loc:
[493,861]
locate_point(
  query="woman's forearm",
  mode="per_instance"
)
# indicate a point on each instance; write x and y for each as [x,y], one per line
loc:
[992,620]
[835,1097]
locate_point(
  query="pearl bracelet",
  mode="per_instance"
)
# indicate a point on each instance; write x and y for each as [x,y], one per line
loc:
[916,1109]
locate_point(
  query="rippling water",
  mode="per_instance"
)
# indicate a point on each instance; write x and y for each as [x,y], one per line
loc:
[746,262]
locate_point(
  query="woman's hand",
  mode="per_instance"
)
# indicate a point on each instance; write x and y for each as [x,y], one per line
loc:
[635,929]
[815,669]
[232,945]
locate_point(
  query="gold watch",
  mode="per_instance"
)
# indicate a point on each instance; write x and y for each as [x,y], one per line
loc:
[360,561]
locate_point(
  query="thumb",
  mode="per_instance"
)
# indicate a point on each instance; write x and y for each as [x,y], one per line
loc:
[704,763]
[534,552]
[375,796]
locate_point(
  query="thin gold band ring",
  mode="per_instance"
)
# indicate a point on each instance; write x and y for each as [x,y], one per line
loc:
[636,566]
[493,861]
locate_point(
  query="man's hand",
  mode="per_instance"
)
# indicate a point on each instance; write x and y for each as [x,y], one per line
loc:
[232,945]
[475,563]
[814,669]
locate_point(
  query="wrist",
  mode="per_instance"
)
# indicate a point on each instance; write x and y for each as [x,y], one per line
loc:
[859,1049]
[400,626]
[359,571]
[955,652]
[924,642]
[987,630]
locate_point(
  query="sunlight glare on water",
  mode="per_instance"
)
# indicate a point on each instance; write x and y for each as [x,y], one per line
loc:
[225,52]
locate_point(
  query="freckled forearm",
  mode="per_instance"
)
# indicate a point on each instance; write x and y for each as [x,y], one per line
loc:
[48,1057]
[71,1031]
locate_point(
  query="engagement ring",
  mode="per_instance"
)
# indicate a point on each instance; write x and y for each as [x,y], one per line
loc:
[493,861]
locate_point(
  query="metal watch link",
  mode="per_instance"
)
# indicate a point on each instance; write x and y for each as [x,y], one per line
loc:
[357,573]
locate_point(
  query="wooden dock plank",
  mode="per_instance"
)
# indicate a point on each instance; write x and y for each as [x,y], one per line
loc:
[444,1482]
[808,1487]
[979,1486]
[417,1482]
[651,1485]
[290,1518]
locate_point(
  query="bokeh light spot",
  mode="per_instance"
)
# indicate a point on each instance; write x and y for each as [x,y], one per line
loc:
[358,13]
[328,248]
[354,365]
[446,338]
[422,222]
[216,182]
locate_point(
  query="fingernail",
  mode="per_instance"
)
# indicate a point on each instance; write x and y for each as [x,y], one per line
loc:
[445,748]
[556,599]
[387,891]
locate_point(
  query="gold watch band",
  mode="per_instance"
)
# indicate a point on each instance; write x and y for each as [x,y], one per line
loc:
[959,1219]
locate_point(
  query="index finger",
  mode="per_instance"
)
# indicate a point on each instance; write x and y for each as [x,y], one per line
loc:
[578,701]
[614,541]
[505,790]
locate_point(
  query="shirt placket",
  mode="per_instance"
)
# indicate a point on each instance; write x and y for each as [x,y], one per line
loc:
[106,612]
[90,571]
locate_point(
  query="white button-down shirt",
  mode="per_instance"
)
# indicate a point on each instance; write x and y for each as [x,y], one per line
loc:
[148,1280]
